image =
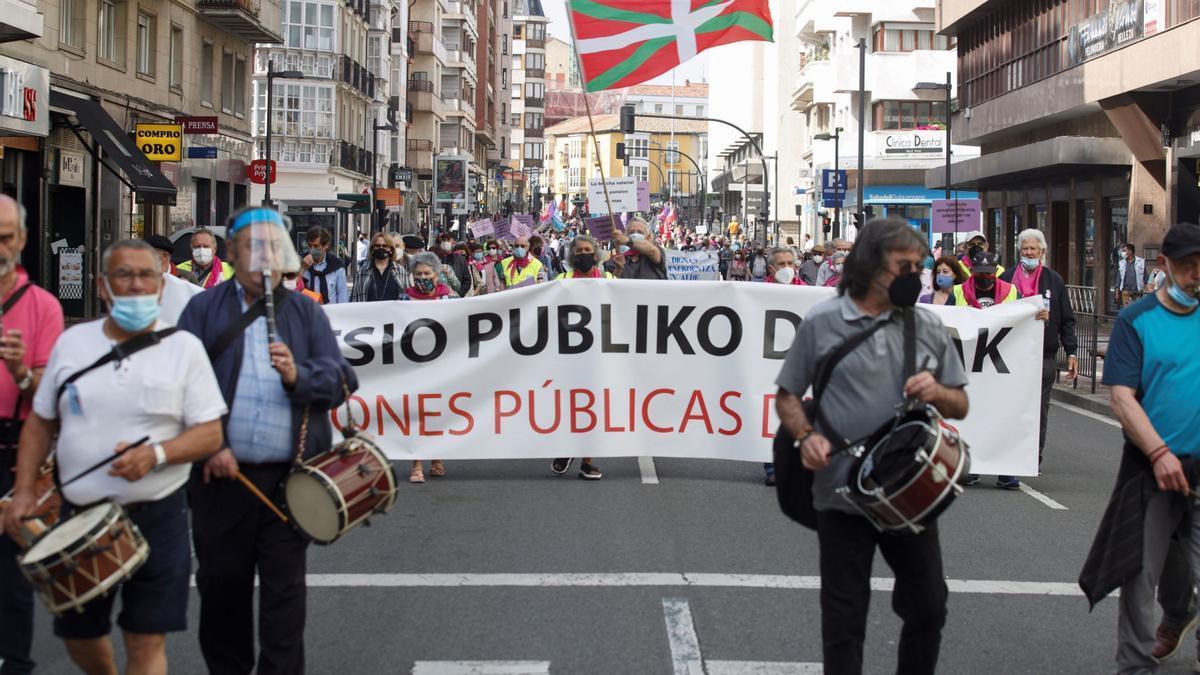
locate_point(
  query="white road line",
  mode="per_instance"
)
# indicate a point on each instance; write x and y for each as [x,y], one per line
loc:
[649,474]
[666,580]
[1086,413]
[1041,497]
[481,668]
[762,668]
[681,634]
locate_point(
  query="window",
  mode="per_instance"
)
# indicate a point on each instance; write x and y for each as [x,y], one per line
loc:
[893,37]
[535,90]
[672,153]
[699,111]
[147,43]
[304,110]
[110,32]
[504,45]
[309,25]
[533,120]
[227,82]
[537,31]
[71,21]
[576,178]
[239,86]
[176,57]
[638,148]
[206,74]
[535,61]
[533,151]
[518,31]
[679,111]
[657,108]
[515,120]
[890,115]
[642,173]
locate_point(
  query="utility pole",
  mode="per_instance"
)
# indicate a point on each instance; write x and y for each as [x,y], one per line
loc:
[862,126]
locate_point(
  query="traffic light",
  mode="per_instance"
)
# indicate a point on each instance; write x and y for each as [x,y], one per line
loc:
[826,226]
[620,151]
[628,125]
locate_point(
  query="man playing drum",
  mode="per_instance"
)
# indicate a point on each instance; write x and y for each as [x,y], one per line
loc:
[279,395]
[881,280]
[97,416]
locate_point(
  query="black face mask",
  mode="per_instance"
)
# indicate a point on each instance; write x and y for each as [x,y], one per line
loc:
[584,262]
[974,251]
[537,250]
[984,284]
[381,253]
[905,289]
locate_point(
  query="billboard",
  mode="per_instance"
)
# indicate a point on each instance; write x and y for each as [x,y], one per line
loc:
[451,184]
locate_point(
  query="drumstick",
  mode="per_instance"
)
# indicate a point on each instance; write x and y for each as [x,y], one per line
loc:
[261,497]
[97,465]
[269,300]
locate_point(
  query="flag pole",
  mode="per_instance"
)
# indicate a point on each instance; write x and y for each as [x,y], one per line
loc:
[587,105]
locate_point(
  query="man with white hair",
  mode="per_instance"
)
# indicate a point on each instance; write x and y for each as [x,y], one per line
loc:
[645,259]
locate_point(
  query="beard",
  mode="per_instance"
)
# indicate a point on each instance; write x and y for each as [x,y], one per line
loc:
[7,265]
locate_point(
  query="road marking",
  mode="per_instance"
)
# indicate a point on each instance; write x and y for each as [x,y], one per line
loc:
[1087,413]
[481,668]
[649,474]
[681,634]
[762,668]
[666,580]
[1041,497]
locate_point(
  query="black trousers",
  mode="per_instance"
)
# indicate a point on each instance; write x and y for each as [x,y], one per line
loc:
[16,595]
[1049,372]
[235,536]
[848,545]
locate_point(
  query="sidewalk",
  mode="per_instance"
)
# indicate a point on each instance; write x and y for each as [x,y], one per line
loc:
[1081,396]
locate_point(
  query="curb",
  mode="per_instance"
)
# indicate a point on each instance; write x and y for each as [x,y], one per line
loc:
[1090,403]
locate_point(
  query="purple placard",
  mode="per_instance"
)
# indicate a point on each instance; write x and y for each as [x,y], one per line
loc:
[503,229]
[482,228]
[643,195]
[956,215]
[522,225]
[601,227]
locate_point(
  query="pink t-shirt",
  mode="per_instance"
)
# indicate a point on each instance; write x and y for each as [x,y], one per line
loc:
[39,317]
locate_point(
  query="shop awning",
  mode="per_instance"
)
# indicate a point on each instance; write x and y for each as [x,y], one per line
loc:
[140,174]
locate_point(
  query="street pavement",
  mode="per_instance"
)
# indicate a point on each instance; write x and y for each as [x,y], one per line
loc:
[506,562]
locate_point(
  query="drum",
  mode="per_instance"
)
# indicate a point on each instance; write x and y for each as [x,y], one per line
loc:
[84,557]
[907,473]
[336,491]
[48,505]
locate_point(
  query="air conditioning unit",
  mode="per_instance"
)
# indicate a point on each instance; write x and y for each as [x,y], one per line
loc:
[967,113]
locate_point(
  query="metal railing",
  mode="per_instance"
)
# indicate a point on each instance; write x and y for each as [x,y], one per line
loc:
[250,6]
[1087,334]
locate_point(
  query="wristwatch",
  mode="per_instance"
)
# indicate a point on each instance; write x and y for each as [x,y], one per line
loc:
[160,456]
[805,433]
[26,382]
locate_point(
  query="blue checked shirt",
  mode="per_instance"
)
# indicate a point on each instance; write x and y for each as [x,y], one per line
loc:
[260,419]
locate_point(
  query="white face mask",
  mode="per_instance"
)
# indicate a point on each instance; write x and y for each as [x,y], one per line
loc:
[839,267]
[818,258]
[202,255]
[784,275]
[290,284]
[447,246]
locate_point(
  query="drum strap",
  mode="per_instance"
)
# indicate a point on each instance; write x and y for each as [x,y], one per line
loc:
[825,372]
[117,353]
[242,321]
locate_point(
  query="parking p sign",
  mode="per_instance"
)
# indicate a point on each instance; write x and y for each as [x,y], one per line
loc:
[160,142]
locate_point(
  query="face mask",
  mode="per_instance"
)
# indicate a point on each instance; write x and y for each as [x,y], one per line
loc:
[984,283]
[945,280]
[424,285]
[1181,296]
[905,289]
[446,246]
[637,236]
[818,258]
[203,256]
[623,249]
[973,251]
[1030,264]
[290,284]
[584,262]
[839,267]
[519,252]
[477,255]
[381,253]
[784,275]
[132,312]
[735,247]
[317,254]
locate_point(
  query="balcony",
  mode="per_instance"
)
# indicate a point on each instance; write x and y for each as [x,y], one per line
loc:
[357,77]
[418,154]
[531,163]
[424,99]
[457,10]
[460,106]
[891,75]
[427,41]
[320,65]
[535,43]
[814,84]
[352,158]
[359,7]
[535,133]
[459,58]
[539,103]
[249,20]
[535,74]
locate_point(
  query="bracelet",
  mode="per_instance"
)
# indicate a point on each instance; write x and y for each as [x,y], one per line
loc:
[1157,453]
[808,431]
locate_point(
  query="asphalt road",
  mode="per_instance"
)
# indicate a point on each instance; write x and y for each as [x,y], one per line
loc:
[503,561]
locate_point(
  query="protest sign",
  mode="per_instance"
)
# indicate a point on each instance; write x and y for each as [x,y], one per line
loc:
[602,227]
[618,368]
[482,228]
[522,225]
[643,195]
[692,265]
[503,229]
[622,193]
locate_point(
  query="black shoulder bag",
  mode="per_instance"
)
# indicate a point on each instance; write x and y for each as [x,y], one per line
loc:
[793,482]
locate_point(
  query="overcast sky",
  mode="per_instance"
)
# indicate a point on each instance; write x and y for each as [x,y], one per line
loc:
[556,10]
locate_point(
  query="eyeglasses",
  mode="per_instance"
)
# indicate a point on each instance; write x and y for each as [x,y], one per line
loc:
[124,276]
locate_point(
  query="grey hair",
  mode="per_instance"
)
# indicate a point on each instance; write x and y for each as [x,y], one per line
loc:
[131,244]
[637,219]
[583,238]
[780,249]
[21,212]
[1036,235]
[426,258]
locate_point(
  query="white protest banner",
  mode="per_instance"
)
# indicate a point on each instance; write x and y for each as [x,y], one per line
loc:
[622,192]
[620,368]
[482,228]
[692,266]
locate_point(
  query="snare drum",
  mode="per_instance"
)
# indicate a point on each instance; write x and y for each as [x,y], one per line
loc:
[48,504]
[907,473]
[84,557]
[336,491]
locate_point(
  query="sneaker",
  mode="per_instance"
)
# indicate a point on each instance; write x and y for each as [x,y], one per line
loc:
[1168,640]
[969,480]
[589,472]
[770,480]
[1008,483]
[561,465]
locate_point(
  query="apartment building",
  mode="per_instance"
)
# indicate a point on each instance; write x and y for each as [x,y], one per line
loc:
[527,112]
[77,77]
[492,101]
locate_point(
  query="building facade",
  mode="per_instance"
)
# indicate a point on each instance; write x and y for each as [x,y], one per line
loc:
[492,131]
[528,108]
[1086,115]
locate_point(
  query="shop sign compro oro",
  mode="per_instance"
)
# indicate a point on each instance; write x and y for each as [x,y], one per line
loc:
[160,142]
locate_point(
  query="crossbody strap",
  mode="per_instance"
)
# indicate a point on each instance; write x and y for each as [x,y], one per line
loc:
[117,353]
[8,304]
[830,361]
[242,322]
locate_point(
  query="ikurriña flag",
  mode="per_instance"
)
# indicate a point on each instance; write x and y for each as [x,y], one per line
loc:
[625,42]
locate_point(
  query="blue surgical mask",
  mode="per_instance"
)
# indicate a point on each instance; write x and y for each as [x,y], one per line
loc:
[519,252]
[945,280]
[477,255]
[735,247]
[1030,264]
[132,312]
[1178,294]
[637,236]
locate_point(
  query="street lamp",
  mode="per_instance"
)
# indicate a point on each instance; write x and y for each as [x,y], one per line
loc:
[836,137]
[374,170]
[936,86]
[271,75]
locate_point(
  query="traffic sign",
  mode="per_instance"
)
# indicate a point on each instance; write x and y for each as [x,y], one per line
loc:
[256,170]
[201,152]
[833,187]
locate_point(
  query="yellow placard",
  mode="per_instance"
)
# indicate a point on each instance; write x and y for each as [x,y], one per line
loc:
[160,142]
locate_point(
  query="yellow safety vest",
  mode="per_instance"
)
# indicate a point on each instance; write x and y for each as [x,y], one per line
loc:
[226,269]
[960,300]
[563,275]
[513,277]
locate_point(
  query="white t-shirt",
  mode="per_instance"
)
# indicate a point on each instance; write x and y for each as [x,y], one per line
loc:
[175,296]
[157,392]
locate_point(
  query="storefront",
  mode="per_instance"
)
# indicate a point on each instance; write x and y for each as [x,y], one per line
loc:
[24,126]
[913,203]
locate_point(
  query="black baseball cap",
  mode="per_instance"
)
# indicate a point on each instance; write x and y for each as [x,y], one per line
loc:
[984,262]
[1183,240]
[161,243]
[413,241]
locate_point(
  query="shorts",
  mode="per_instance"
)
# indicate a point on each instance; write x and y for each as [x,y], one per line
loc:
[154,599]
